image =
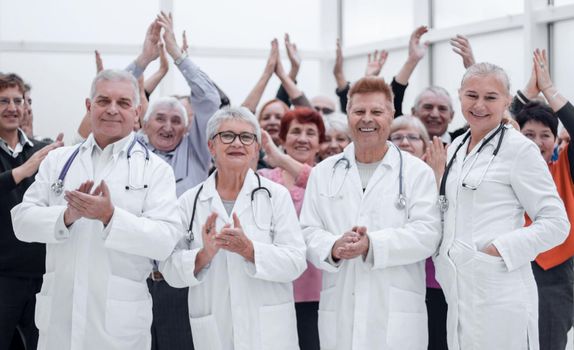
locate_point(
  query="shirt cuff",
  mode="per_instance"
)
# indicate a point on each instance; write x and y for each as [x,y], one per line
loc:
[61,232]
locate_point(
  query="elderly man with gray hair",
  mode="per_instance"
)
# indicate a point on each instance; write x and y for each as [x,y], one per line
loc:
[105,209]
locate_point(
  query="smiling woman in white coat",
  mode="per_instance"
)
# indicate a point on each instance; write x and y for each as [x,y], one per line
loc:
[370,220]
[243,250]
[494,175]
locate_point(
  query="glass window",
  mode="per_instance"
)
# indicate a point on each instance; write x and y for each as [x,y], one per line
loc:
[562,58]
[249,23]
[447,13]
[563,2]
[104,21]
[366,21]
[505,49]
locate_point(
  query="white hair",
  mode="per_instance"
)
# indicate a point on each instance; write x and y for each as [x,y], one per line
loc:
[336,121]
[166,102]
[436,90]
[485,68]
[230,113]
[116,75]
[408,121]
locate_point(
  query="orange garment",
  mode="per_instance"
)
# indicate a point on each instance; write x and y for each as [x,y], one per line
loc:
[560,171]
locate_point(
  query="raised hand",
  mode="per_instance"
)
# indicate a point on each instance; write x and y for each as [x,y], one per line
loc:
[338,68]
[273,58]
[435,157]
[543,80]
[184,45]
[418,50]
[150,49]
[293,55]
[99,63]
[376,62]
[165,21]
[273,154]
[235,240]
[461,46]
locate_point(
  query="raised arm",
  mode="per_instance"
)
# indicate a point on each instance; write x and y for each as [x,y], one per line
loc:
[295,95]
[461,46]
[252,100]
[153,81]
[343,85]
[150,50]
[295,61]
[276,158]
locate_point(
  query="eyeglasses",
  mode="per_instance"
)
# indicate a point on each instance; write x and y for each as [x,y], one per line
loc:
[5,101]
[228,137]
[324,110]
[398,138]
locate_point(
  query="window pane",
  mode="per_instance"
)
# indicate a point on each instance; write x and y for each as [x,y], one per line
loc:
[248,23]
[563,2]
[104,21]
[504,49]
[366,21]
[562,58]
[447,13]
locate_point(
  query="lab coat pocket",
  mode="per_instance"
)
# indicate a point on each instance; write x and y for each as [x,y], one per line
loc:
[278,327]
[43,311]
[327,329]
[128,308]
[402,300]
[407,331]
[205,333]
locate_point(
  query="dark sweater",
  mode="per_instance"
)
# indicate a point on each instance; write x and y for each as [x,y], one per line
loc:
[17,259]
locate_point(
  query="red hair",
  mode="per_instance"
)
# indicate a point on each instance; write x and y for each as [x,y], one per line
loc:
[369,85]
[303,115]
[266,104]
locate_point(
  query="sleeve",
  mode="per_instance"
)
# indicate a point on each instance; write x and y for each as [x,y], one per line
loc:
[343,96]
[283,96]
[283,260]
[301,101]
[399,95]
[566,116]
[34,219]
[155,232]
[7,182]
[178,269]
[303,177]
[205,101]
[136,70]
[420,236]
[319,241]
[533,185]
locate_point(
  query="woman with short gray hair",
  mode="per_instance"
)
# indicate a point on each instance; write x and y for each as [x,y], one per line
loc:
[243,246]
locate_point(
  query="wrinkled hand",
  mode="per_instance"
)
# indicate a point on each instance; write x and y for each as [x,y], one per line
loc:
[292,53]
[435,157]
[351,244]
[96,206]
[491,250]
[71,215]
[279,70]
[235,240]
[150,49]
[272,153]
[208,234]
[417,50]
[163,63]
[461,46]
[184,45]
[376,62]
[99,63]
[165,21]
[531,89]
[543,80]
[30,167]
[273,57]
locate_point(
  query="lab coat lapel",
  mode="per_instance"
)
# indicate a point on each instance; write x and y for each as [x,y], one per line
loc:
[353,177]
[85,156]
[209,193]
[243,201]
[390,161]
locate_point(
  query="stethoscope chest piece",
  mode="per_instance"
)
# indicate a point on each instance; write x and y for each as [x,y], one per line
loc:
[401,202]
[58,187]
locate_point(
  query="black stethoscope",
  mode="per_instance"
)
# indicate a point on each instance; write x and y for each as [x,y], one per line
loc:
[190,236]
[400,203]
[58,186]
[442,200]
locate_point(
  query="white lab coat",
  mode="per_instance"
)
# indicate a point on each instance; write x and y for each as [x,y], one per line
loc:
[233,303]
[377,303]
[493,301]
[94,294]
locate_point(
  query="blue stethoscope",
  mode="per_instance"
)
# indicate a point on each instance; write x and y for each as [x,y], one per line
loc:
[259,188]
[442,200]
[58,186]
[400,203]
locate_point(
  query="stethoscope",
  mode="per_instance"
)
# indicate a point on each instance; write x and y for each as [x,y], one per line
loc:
[400,203]
[190,236]
[58,186]
[442,200]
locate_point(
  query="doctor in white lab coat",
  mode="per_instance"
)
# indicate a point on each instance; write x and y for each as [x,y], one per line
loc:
[372,249]
[113,216]
[494,175]
[244,250]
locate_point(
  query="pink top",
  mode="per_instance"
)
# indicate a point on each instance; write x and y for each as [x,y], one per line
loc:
[308,286]
[431,280]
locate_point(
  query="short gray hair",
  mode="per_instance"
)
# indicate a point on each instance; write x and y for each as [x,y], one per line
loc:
[437,90]
[166,102]
[116,75]
[230,113]
[408,121]
[336,121]
[485,68]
